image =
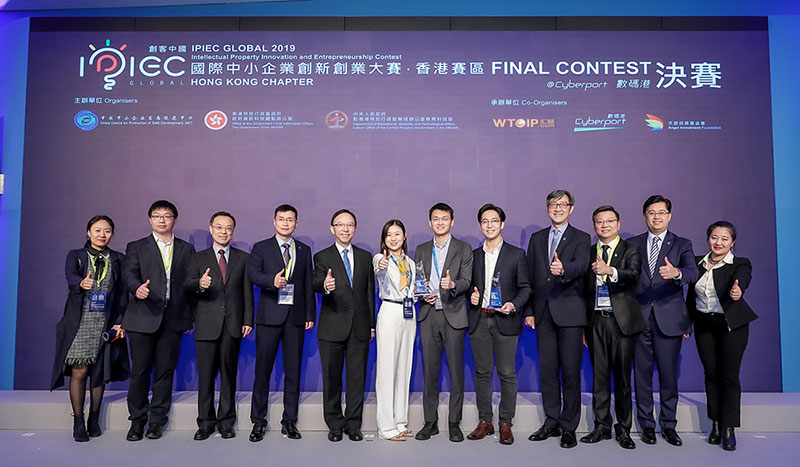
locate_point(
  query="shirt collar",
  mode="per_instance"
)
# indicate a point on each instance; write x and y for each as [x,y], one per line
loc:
[446,243]
[341,248]
[561,229]
[162,242]
[651,236]
[227,249]
[496,250]
[728,259]
[612,244]
[281,242]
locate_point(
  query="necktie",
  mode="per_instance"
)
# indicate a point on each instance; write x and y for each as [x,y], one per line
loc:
[223,265]
[604,255]
[347,266]
[554,243]
[286,257]
[654,249]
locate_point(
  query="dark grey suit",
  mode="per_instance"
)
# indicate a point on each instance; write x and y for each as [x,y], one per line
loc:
[444,329]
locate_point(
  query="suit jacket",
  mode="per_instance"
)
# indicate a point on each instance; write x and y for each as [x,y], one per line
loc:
[346,309]
[142,262]
[228,304]
[266,260]
[737,312]
[459,262]
[665,296]
[628,262]
[564,294]
[515,287]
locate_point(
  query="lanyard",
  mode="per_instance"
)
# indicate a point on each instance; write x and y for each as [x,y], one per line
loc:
[167,262]
[407,272]
[613,247]
[103,273]
[436,262]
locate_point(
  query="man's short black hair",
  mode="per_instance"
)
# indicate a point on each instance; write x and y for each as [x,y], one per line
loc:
[223,214]
[605,208]
[656,199]
[162,204]
[557,194]
[440,207]
[285,208]
[492,207]
[344,211]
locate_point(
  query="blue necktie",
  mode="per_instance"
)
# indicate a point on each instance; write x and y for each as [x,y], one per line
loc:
[347,266]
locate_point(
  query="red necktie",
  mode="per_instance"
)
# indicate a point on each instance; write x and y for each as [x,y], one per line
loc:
[223,265]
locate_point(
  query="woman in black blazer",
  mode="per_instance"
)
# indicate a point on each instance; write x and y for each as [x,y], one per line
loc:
[721,319]
[95,304]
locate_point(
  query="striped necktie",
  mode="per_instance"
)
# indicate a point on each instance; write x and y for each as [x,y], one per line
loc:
[654,249]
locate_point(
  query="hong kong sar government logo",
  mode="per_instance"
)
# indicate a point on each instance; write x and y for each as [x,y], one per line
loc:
[216,120]
[336,120]
[86,120]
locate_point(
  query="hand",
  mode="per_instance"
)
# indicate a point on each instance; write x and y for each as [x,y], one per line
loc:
[246,330]
[601,268]
[668,271]
[556,267]
[383,263]
[475,296]
[280,281]
[371,335]
[120,331]
[736,291]
[585,344]
[447,283]
[687,335]
[330,282]
[430,299]
[205,279]
[309,325]
[530,322]
[507,308]
[87,283]
[143,291]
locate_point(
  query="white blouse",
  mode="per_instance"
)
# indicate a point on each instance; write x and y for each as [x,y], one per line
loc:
[389,279]
[706,300]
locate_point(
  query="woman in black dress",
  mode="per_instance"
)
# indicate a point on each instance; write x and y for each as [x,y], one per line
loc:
[95,304]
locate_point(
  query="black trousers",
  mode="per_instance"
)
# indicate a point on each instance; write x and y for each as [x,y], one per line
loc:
[333,356]
[612,354]
[153,354]
[655,347]
[560,355]
[721,353]
[220,356]
[437,335]
[492,348]
[267,340]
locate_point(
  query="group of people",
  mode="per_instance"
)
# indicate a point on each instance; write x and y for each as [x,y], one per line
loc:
[623,299]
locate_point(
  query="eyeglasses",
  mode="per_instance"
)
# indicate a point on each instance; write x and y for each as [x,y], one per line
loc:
[348,225]
[487,222]
[606,221]
[440,219]
[656,213]
[222,228]
[167,217]
[561,205]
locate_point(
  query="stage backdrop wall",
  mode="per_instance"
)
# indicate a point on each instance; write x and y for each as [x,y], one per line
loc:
[386,124]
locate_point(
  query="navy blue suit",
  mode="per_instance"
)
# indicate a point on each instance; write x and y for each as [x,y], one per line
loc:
[666,320]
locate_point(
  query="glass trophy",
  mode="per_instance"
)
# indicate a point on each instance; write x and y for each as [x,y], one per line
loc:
[495,297]
[421,287]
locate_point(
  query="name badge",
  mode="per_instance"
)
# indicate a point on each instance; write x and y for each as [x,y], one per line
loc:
[286,295]
[97,301]
[408,308]
[602,299]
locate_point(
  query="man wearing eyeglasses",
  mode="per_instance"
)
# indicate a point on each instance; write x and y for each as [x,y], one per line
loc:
[344,276]
[558,257]
[667,265]
[158,314]
[217,277]
[281,267]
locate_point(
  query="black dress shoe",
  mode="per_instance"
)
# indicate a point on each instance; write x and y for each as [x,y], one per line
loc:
[713,435]
[203,433]
[136,432]
[545,432]
[257,433]
[428,429]
[154,431]
[625,441]
[671,436]
[227,432]
[596,436]
[290,430]
[456,435]
[335,435]
[649,435]
[728,439]
[568,440]
[79,433]
[354,434]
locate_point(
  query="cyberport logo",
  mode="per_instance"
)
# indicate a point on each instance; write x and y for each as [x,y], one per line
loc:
[216,120]
[86,120]
[513,123]
[654,122]
[613,121]
[111,62]
[336,120]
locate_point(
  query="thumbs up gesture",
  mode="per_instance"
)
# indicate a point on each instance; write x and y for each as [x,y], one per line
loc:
[475,296]
[736,291]
[556,267]
[601,268]
[280,279]
[668,271]
[205,279]
[143,291]
[87,283]
[447,283]
[330,282]
[383,263]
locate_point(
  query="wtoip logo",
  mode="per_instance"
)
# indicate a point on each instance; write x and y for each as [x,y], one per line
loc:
[111,62]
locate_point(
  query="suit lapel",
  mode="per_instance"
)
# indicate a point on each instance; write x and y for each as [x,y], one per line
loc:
[448,260]
[480,262]
[342,272]
[563,242]
[160,260]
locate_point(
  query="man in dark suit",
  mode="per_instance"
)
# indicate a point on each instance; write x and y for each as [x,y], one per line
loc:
[447,263]
[217,277]
[500,289]
[281,267]
[558,257]
[667,265]
[344,276]
[158,314]
[615,322]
